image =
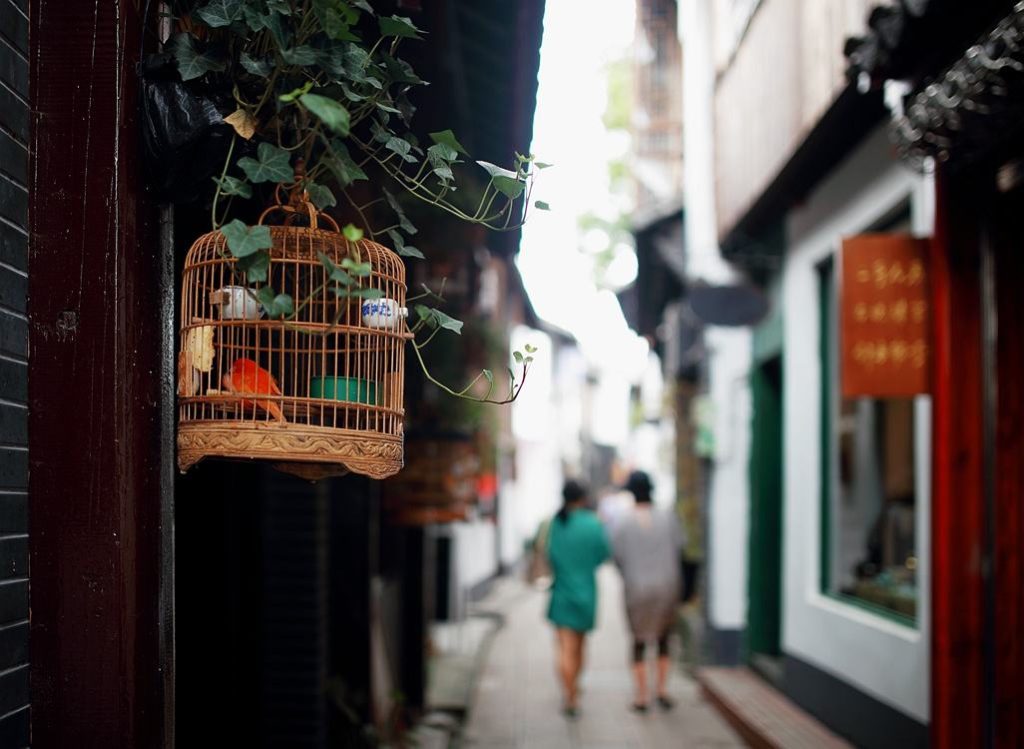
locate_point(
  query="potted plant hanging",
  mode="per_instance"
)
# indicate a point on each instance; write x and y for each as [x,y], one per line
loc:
[293,329]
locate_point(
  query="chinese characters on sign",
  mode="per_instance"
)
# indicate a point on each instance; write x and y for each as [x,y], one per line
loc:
[884,316]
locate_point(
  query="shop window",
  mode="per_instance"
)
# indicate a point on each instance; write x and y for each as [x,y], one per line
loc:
[870,484]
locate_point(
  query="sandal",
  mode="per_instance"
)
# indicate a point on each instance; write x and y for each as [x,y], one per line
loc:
[665,702]
[570,712]
[639,707]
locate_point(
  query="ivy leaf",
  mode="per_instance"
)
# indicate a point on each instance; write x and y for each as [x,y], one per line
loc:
[337,29]
[333,271]
[426,314]
[542,165]
[496,171]
[220,13]
[447,322]
[402,147]
[352,233]
[344,169]
[400,27]
[540,205]
[441,154]
[405,224]
[518,357]
[356,269]
[403,249]
[272,165]
[363,5]
[255,266]
[260,68]
[243,123]
[512,188]
[400,71]
[505,181]
[244,240]
[434,318]
[329,112]
[234,186]
[409,251]
[444,173]
[489,375]
[304,55]
[321,196]
[255,20]
[191,63]
[281,35]
[366,293]
[447,138]
[275,305]
[337,19]
[530,349]
[350,94]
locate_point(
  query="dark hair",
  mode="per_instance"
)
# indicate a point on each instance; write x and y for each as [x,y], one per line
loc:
[572,492]
[639,484]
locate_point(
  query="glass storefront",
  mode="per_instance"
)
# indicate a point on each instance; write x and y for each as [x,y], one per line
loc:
[870,485]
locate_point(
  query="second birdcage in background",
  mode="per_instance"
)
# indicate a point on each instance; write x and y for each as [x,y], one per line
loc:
[317,391]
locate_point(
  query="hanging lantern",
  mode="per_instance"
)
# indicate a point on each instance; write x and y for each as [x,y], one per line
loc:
[317,392]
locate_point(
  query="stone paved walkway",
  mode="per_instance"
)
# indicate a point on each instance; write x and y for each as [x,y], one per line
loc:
[516,702]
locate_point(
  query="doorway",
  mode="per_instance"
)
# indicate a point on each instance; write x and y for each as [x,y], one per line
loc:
[764,578]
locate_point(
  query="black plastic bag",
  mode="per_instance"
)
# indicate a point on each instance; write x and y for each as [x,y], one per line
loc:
[185,137]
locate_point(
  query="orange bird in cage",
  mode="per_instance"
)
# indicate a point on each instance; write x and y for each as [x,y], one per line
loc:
[246,376]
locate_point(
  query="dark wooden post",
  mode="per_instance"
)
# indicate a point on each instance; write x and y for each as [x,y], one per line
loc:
[957,470]
[100,447]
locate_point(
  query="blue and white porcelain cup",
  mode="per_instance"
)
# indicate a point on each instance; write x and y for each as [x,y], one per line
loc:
[383,314]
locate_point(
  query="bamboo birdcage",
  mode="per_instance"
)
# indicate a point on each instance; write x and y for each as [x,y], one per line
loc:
[318,393]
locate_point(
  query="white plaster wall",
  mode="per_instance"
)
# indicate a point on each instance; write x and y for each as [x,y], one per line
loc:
[882,658]
[729,505]
[547,421]
[728,349]
[476,554]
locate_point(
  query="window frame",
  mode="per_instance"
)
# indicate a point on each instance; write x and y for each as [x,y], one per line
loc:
[898,217]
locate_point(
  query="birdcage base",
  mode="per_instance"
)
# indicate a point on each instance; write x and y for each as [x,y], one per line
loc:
[367,453]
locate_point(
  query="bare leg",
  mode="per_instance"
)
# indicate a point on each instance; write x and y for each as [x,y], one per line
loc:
[639,675]
[570,656]
[664,668]
[640,679]
[580,640]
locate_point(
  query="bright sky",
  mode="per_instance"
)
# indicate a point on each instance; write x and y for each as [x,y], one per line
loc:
[568,132]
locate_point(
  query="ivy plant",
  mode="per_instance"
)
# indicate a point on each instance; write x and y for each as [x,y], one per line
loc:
[322,97]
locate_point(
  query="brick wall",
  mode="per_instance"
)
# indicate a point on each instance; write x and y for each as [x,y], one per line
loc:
[14,114]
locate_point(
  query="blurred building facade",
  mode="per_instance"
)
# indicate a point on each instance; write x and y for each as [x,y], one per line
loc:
[868,533]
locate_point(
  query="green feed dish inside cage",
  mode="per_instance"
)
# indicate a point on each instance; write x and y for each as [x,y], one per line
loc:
[349,389]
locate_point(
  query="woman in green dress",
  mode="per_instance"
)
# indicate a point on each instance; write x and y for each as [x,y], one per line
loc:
[577,545]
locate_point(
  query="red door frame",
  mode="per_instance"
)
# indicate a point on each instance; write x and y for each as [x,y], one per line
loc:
[957,472]
[977,542]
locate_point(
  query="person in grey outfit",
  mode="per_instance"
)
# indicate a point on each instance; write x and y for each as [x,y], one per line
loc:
[646,544]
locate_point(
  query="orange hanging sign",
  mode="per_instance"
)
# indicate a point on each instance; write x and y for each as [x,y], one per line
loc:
[884,316]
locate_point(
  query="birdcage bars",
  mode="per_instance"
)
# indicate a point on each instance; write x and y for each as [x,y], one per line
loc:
[317,389]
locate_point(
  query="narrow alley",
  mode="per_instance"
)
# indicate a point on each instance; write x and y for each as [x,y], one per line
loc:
[517,702]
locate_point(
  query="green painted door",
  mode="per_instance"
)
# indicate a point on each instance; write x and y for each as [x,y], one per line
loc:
[765,552]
